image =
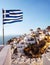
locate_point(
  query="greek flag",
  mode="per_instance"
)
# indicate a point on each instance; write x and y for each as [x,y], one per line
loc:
[11,16]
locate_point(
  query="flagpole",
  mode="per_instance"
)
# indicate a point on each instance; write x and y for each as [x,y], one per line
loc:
[3,24]
[3,34]
[8,18]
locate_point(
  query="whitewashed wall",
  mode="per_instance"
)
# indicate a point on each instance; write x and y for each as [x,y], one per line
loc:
[5,56]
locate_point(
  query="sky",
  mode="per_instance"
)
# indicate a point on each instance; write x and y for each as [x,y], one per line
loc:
[36,13]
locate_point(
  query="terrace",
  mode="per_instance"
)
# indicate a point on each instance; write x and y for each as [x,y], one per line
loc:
[6,58]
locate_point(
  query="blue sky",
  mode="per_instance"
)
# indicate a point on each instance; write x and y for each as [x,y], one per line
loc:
[36,13]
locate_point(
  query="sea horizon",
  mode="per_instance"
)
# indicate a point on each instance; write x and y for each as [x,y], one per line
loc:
[6,38]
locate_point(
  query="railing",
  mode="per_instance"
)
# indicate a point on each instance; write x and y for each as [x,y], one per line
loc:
[5,55]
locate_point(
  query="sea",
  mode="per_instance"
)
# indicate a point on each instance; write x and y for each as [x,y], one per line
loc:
[6,38]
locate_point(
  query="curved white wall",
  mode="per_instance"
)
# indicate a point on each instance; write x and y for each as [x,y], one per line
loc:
[5,56]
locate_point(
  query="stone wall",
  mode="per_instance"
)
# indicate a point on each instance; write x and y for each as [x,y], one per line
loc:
[1,47]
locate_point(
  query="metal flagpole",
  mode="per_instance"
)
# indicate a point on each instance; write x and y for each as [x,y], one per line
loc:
[3,24]
[3,34]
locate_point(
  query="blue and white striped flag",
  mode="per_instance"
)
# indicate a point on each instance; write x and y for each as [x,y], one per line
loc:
[11,16]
